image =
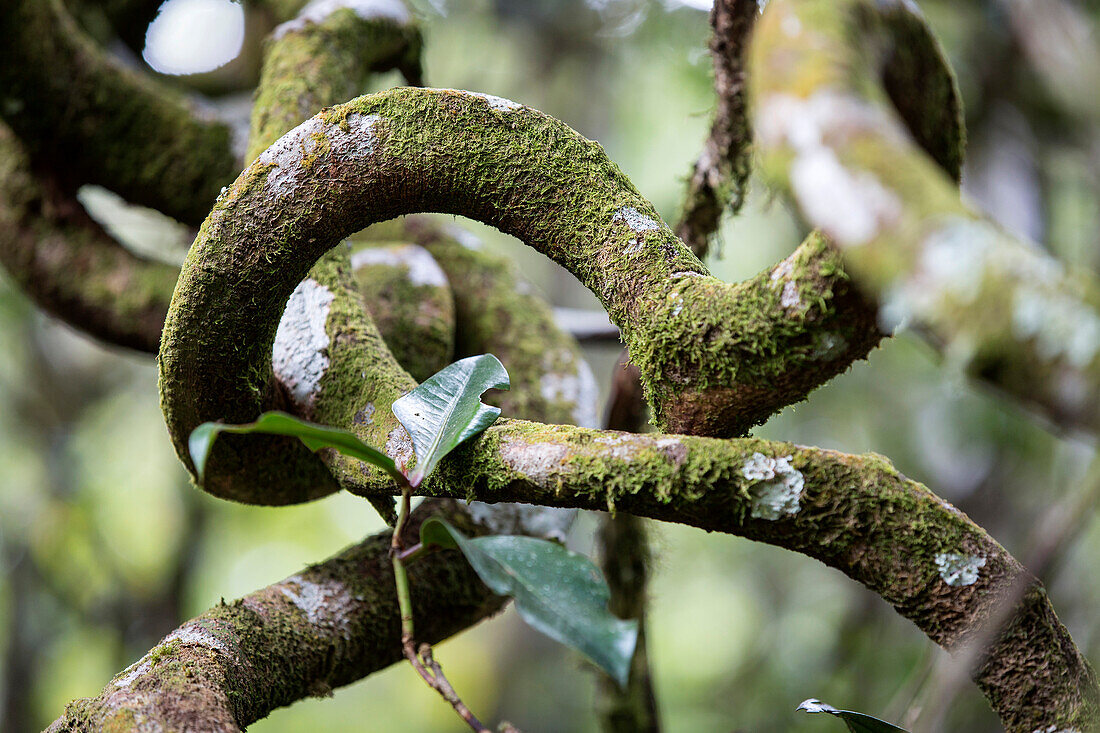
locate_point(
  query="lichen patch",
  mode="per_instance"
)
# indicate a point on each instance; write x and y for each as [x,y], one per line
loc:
[776,487]
[850,206]
[957,569]
[635,220]
[549,523]
[299,356]
[284,158]
[422,268]
[539,463]
[318,11]
[326,603]
[399,446]
[351,139]
[135,670]
[194,633]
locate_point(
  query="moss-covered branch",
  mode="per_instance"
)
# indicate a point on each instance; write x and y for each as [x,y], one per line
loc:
[385,154]
[327,626]
[717,357]
[997,306]
[92,120]
[326,55]
[69,266]
[721,173]
[854,513]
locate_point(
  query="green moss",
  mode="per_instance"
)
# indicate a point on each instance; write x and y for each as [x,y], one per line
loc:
[416,321]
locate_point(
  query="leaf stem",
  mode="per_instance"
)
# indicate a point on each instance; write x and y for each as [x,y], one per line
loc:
[421,660]
[401,578]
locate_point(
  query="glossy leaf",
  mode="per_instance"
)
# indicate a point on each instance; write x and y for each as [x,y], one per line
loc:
[313,435]
[557,592]
[446,409]
[856,722]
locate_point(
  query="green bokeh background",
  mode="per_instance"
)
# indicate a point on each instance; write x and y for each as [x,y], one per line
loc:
[96,514]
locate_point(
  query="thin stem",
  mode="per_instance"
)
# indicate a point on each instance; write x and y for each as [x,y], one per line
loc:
[411,553]
[401,578]
[424,663]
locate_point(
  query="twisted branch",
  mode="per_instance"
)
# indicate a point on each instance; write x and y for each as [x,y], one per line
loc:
[367,162]
[997,306]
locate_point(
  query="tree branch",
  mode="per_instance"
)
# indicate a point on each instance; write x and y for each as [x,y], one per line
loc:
[997,306]
[69,266]
[325,627]
[721,173]
[89,118]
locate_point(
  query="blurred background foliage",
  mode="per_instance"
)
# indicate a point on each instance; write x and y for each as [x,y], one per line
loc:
[104,547]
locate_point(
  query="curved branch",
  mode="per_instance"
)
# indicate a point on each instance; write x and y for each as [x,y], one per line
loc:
[89,118]
[854,513]
[69,266]
[750,348]
[326,55]
[721,173]
[1008,314]
[327,626]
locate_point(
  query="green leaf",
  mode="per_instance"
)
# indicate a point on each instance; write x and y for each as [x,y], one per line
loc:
[279,423]
[557,592]
[447,409]
[856,722]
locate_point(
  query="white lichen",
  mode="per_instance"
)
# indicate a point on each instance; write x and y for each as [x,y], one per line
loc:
[540,463]
[194,633]
[850,206]
[1061,326]
[551,523]
[327,603]
[299,356]
[353,140]
[399,446]
[962,256]
[498,104]
[789,298]
[135,670]
[635,220]
[318,11]
[777,486]
[957,569]
[421,267]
